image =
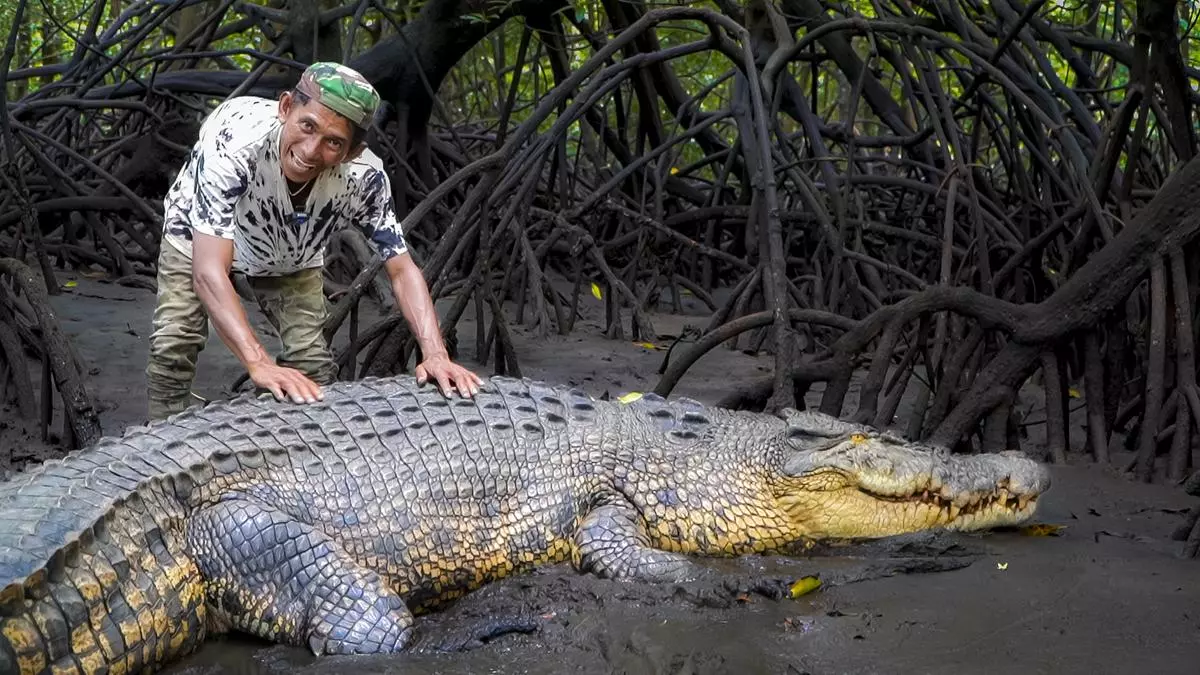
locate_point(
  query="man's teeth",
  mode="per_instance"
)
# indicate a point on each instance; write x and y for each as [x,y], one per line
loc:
[301,162]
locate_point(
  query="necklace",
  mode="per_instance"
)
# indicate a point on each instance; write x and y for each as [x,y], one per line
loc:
[299,189]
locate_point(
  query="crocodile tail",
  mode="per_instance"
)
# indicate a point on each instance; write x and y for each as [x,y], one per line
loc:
[117,597]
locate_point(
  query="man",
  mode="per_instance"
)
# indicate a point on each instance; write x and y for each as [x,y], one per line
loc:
[263,189]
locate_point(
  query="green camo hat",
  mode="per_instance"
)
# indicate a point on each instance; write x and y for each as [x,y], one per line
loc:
[342,90]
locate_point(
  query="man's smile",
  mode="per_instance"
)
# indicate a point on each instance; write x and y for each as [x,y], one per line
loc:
[301,163]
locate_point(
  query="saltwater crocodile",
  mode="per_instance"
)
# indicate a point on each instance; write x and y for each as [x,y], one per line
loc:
[327,525]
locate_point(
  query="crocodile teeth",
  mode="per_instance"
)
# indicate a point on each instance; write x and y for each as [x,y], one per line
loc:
[954,511]
[1022,502]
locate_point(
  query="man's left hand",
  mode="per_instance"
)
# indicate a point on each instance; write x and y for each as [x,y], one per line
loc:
[449,376]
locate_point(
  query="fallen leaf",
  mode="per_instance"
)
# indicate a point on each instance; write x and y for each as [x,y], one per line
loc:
[596,291]
[1041,530]
[1073,392]
[71,284]
[630,397]
[803,586]
[674,170]
[647,345]
[1001,565]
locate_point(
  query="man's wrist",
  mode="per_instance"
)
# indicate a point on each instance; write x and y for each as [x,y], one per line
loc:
[436,354]
[258,359]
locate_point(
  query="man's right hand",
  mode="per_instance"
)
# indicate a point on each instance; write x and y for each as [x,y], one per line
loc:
[286,383]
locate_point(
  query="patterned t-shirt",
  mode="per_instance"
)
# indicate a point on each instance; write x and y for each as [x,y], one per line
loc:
[232,186]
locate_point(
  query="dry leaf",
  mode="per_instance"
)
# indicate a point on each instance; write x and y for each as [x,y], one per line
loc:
[630,397]
[1002,566]
[71,284]
[1073,392]
[596,291]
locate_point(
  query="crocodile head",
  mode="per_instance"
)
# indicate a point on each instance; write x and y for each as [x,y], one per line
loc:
[842,480]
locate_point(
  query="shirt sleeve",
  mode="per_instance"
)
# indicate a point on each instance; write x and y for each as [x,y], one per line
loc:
[377,216]
[222,176]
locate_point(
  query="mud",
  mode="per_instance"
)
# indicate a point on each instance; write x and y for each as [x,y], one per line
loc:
[1106,595]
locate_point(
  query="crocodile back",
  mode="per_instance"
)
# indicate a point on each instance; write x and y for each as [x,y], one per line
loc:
[447,445]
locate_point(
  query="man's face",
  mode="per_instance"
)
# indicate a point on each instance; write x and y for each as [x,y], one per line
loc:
[313,138]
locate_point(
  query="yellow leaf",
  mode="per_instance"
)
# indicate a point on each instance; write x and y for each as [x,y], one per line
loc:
[804,586]
[630,397]
[647,345]
[1073,392]
[1002,566]
[596,291]
[674,170]
[70,284]
[857,439]
[1041,530]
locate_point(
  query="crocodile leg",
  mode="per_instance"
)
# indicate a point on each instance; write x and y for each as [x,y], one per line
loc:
[612,545]
[280,579]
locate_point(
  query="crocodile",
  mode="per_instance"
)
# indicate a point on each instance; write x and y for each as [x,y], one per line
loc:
[330,525]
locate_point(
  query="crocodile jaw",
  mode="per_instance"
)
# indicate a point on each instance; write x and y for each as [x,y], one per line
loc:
[868,487]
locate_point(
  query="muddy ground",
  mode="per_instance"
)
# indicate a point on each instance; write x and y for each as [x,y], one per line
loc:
[1108,595]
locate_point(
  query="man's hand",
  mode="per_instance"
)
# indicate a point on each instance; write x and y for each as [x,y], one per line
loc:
[449,376]
[286,383]
[413,297]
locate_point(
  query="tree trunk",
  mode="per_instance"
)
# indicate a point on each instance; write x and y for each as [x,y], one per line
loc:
[312,41]
[408,68]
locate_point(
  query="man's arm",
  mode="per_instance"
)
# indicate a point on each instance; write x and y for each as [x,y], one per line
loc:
[412,295]
[212,258]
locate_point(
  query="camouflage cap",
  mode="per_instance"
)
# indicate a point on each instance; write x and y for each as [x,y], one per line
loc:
[342,90]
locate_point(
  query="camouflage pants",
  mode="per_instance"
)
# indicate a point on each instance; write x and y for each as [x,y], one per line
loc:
[294,304]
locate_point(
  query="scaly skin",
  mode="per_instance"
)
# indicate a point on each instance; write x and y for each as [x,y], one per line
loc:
[328,524]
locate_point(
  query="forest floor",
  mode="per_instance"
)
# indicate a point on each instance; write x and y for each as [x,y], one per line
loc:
[1107,595]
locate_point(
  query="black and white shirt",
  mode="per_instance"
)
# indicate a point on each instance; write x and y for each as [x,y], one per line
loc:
[232,186]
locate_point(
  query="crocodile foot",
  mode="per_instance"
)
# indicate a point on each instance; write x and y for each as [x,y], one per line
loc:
[721,590]
[280,579]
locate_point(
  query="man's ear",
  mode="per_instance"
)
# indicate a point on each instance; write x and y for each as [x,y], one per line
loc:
[285,104]
[354,154]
